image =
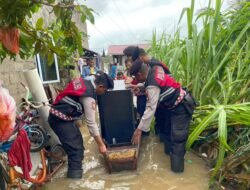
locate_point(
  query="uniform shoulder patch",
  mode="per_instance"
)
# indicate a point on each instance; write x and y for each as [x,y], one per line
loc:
[159,73]
[77,84]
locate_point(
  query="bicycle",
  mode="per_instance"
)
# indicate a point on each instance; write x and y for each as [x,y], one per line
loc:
[55,156]
[26,120]
[13,179]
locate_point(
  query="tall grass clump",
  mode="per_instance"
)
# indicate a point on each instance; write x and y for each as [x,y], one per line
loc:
[213,61]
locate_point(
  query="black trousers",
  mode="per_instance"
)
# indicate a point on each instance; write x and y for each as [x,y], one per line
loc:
[141,104]
[161,116]
[174,127]
[71,139]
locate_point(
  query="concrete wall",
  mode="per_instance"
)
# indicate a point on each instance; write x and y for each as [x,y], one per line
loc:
[82,27]
[11,73]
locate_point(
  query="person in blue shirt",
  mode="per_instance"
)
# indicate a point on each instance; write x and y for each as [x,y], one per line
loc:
[89,70]
[113,71]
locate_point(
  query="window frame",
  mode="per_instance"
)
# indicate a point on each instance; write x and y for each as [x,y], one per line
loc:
[38,64]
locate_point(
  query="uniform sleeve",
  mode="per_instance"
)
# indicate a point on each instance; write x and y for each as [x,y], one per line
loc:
[153,93]
[89,105]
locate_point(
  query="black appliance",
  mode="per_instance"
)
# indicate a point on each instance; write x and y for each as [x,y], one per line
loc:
[117,118]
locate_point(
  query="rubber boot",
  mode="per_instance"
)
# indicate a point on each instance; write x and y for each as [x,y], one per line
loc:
[177,163]
[74,174]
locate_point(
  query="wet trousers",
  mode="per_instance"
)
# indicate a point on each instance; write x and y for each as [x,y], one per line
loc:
[141,104]
[173,126]
[71,139]
[161,116]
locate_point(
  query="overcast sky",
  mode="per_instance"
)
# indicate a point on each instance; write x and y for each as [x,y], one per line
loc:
[133,21]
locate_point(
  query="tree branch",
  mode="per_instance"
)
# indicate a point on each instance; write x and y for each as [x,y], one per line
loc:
[54,5]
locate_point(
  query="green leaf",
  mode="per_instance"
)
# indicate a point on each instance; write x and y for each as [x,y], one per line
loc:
[38,47]
[182,14]
[203,124]
[222,128]
[39,24]
[50,58]
[91,18]
[35,8]
[83,18]
[57,11]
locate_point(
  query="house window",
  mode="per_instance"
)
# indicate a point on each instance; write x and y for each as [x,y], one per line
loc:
[48,73]
[120,60]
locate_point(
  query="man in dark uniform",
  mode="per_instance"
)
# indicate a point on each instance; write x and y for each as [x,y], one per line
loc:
[78,97]
[161,117]
[163,90]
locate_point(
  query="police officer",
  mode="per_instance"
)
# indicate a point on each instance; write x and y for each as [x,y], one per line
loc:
[78,97]
[161,117]
[162,90]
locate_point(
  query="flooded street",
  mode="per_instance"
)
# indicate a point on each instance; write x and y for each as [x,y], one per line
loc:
[153,171]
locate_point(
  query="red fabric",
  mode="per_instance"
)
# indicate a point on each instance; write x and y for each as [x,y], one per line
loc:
[134,82]
[19,153]
[10,39]
[165,80]
[74,88]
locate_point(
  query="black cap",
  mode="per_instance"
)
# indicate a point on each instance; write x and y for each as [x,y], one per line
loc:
[104,79]
[136,67]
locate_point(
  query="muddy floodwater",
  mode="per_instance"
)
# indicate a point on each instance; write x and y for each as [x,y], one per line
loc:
[153,172]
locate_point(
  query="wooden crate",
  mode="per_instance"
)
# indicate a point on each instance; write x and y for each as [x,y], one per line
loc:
[122,157]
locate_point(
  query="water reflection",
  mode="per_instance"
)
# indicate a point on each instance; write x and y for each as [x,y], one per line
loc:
[153,171]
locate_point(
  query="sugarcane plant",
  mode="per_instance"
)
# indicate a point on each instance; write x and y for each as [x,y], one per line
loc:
[213,61]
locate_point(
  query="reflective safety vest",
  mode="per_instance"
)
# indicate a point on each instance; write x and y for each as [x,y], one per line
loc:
[171,92]
[67,105]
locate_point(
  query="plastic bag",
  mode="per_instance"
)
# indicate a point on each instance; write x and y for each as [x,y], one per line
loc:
[10,39]
[7,114]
